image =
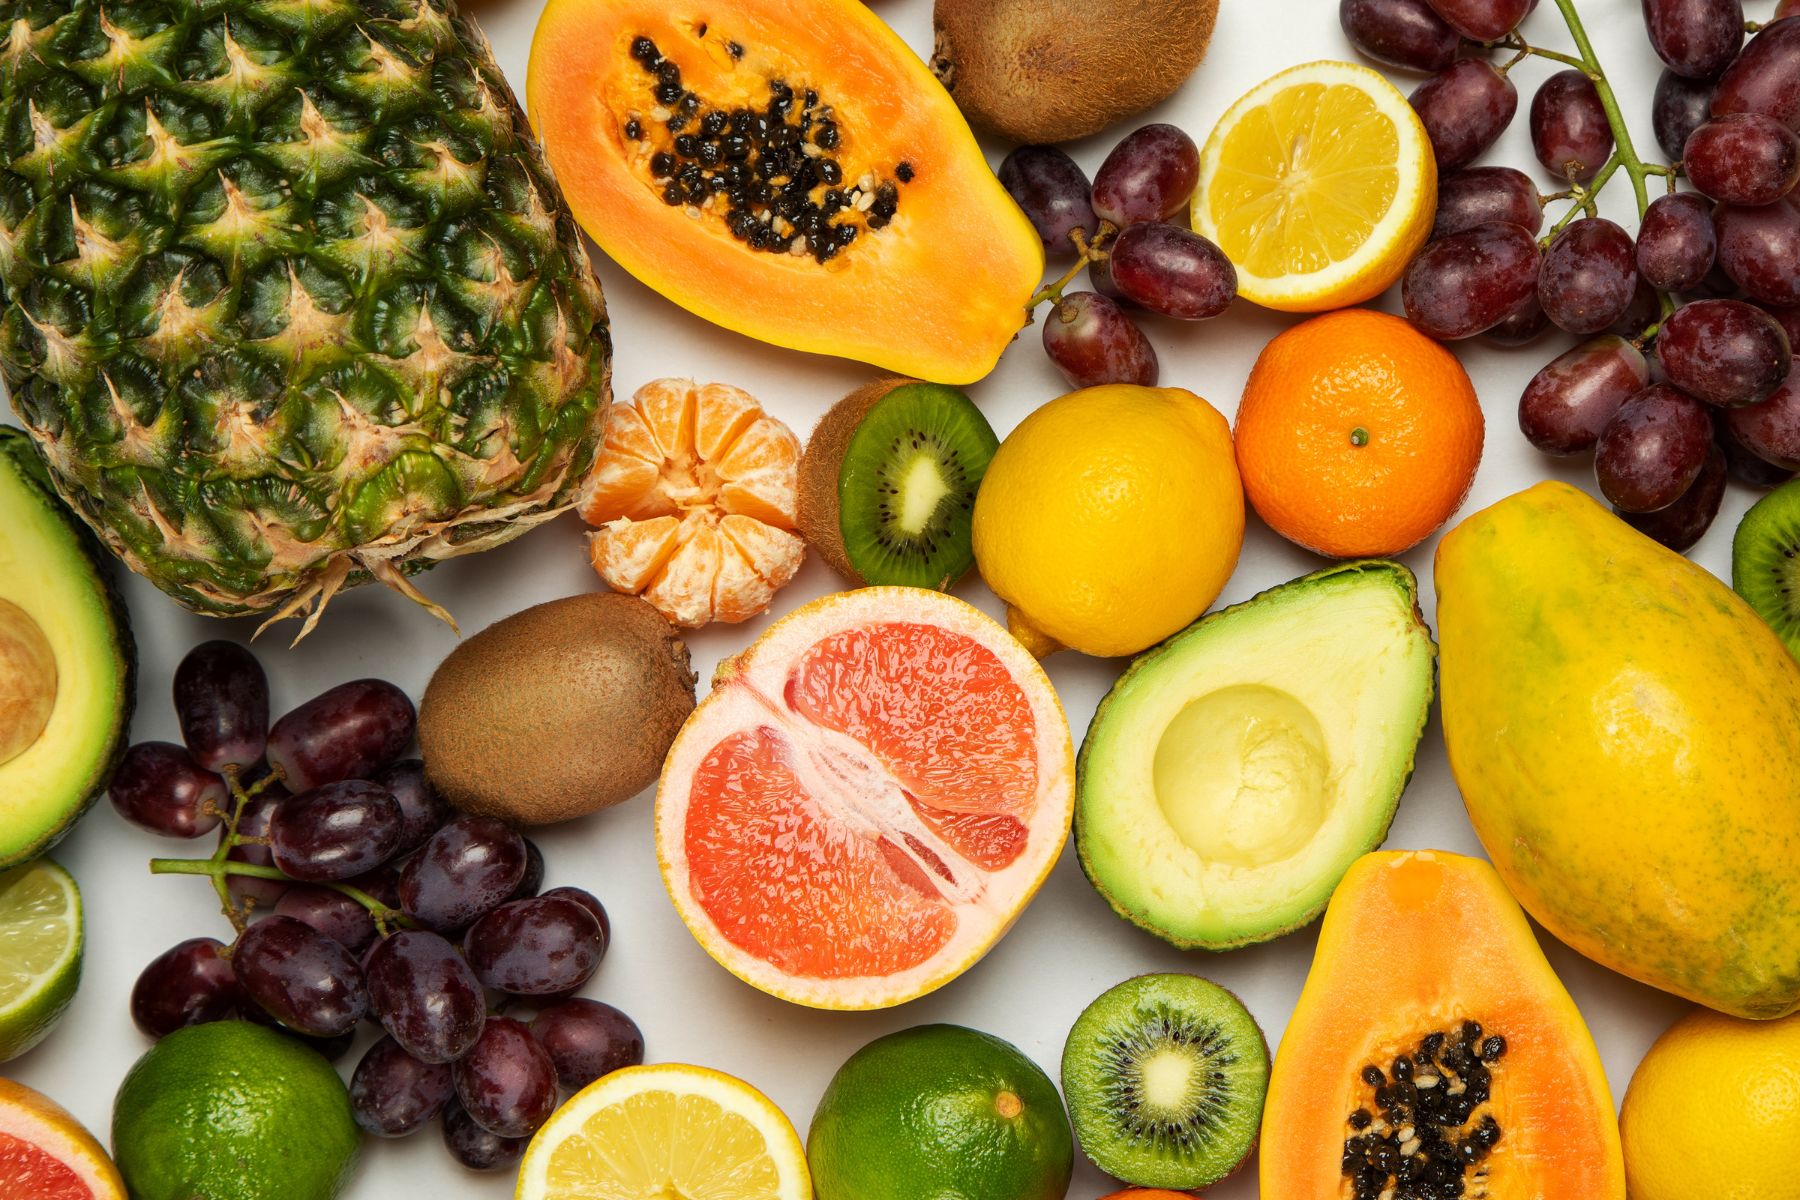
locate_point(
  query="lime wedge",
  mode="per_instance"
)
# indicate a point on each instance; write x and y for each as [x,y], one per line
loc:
[40,952]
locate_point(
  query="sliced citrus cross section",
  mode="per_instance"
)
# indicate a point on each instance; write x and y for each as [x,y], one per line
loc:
[867,799]
[45,1154]
[1319,185]
[670,1130]
[693,492]
[41,938]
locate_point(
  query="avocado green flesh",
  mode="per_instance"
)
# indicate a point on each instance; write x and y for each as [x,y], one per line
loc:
[49,572]
[1234,772]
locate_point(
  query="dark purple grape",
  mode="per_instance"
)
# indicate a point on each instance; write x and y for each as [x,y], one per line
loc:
[1100,276]
[1569,133]
[331,1049]
[425,996]
[1469,282]
[335,831]
[344,733]
[1743,464]
[1786,9]
[1477,195]
[1676,245]
[1589,276]
[1173,271]
[190,983]
[476,1148]
[1787,317]
[1091,341]
[1483,20]
[222,703]
[536,947]
[158,786]
[422,810]
[383,883]
[1644,311]
[1520,327]
[1765,78]
[1695,38]
[1399,33]
[532,882]
[300,977]
[1760,250]
[506,1081]
[588,901]
[332,913]
[1679,107]
[1771,430]
[1568,403]
[1149,174]
[587,1039]
[1054,193]
[1725,352]
[465,869]
[1653,449]
[254,822]
[1465,108]
[393,1094]
[1744,158]
[1683,523]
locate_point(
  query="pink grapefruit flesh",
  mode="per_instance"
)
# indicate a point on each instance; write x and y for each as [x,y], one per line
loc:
[867,799]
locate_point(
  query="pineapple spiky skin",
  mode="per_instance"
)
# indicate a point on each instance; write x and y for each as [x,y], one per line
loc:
[289,299]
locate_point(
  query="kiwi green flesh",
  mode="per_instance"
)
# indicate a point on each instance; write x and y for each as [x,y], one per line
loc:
[906,487]
[1765,561]
[1165,1077]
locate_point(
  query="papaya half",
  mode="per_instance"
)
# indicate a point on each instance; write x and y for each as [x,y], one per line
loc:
[790,171]
[1433,1046]
[1625,731]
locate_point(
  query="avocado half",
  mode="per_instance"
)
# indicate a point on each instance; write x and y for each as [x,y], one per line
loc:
[67,660]
[1235,771]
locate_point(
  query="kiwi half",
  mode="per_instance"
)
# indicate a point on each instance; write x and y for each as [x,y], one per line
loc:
[1765,561]
[1165,1077]
[888,480]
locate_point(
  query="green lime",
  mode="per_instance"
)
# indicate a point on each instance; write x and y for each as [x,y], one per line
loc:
[40,952]
[940,1111]
[231,1110]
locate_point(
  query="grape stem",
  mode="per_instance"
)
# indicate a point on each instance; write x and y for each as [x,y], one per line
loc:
[219,868]
[1085,252]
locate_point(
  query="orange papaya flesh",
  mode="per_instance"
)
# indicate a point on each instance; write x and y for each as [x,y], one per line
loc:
[790,171]
[1432,1045]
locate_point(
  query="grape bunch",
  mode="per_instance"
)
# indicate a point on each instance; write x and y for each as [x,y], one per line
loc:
[358,895]
[1682,377]
[1120,229]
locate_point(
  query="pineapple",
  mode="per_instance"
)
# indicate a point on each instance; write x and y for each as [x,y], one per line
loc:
[288,297]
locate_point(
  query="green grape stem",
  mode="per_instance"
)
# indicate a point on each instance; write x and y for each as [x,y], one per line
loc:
[1085,253]
[219,868]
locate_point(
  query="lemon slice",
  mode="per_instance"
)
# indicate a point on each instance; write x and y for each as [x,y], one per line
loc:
[1319,185]
[666,1132]
[40,952]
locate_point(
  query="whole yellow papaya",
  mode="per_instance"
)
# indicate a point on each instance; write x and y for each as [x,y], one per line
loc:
[1626,735]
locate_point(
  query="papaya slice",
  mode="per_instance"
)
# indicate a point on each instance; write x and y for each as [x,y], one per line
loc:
[790,171]
[1434,1053]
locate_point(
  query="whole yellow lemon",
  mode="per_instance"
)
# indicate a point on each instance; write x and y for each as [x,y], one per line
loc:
[1110,518]
[1714,1112]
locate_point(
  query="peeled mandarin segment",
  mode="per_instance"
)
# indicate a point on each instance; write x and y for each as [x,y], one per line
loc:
[722,414]
[760,474]
[668,408]
[739,591]
[790,886]
[937,708]
[682,591]
[774,554]
[629,554]
[625,473]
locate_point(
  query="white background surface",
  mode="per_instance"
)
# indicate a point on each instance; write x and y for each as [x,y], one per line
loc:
[1068,946]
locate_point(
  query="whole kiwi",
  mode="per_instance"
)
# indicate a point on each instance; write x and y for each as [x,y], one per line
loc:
[557,711]
[1056,70]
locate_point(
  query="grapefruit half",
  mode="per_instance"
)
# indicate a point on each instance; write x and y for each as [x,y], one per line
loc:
[867,799]
[46,1154]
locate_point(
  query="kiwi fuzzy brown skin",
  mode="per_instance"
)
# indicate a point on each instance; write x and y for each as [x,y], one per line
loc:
[557,711]
[822,462]
[1051,71]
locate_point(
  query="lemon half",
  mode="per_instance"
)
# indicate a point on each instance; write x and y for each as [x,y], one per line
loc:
[1319,185]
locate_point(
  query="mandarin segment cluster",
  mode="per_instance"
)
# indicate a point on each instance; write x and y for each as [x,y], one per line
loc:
[290,301]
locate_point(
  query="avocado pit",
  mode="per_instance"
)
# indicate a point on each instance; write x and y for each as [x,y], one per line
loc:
[28,680]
